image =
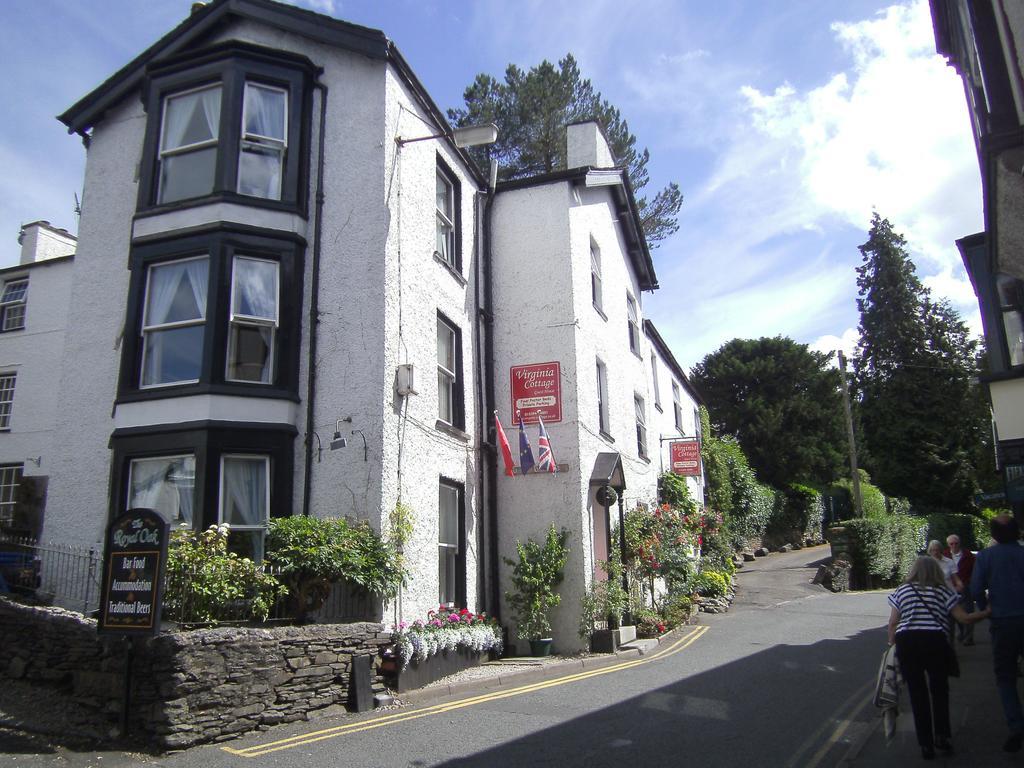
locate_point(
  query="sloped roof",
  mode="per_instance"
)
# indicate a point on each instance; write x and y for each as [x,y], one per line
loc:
[207,20]
[670,360]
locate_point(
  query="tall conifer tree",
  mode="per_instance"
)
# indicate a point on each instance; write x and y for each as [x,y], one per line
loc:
[532,109]
[920,408]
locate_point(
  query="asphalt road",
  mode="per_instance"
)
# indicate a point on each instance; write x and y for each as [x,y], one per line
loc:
[783,679]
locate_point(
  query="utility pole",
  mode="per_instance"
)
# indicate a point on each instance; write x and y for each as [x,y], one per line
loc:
[854,474]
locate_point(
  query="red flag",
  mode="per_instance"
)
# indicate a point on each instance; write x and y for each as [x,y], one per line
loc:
[506,450]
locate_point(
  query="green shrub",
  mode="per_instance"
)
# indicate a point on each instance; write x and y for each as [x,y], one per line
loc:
[709,584]
[604,601]
[206,582]
[315,552]
[798,514]
[536,576]
[872,499]
[972,530]
[882,549]
[676,610]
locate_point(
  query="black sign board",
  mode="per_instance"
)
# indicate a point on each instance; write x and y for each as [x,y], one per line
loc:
[133,568]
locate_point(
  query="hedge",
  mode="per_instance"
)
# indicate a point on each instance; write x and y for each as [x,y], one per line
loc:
[972,530]
[882,549]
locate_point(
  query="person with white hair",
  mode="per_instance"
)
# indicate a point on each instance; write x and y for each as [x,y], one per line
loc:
[946,564]
[963,559]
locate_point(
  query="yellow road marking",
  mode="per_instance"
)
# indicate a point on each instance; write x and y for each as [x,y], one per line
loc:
[401,717]
[843,717]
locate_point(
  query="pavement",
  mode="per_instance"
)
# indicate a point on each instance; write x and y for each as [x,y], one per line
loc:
[979,728]
[515,670]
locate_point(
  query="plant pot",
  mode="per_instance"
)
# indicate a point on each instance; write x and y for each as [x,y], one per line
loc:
[541,647]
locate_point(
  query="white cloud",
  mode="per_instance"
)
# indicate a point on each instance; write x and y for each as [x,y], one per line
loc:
[830,343]
[320,6]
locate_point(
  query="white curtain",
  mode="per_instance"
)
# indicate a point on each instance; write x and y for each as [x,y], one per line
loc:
[245,488]
[264,112]
[164,484]
[191,118]
[164,281]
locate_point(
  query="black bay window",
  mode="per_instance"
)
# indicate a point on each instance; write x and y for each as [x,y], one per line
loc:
[215,311]
[207,473]
[230,122]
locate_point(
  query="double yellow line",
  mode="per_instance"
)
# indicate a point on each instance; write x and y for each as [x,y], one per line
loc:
[395,718]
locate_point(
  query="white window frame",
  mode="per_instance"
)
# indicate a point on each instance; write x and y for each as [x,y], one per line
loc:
[633,318]
[654,380]
[14,310]
[446,221]
[10,478]
[162,457]
[262,142]
[8,381]
[185,148]
[677,407]
[148,329]
[447,378]
[602,399]
[448,552]
[595,277]
[641,425]
[1011,318]
[234,527]
[249,321]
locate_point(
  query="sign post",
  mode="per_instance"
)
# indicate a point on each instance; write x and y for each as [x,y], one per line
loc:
[684,457]
[131,597]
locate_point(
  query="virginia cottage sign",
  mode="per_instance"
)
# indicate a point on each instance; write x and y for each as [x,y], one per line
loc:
[536,392]
[133,567]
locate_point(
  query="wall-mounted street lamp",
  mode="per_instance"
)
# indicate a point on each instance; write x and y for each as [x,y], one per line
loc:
[470,136]
[338,441]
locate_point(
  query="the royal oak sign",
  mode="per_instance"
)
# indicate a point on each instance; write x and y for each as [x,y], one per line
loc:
[135,552]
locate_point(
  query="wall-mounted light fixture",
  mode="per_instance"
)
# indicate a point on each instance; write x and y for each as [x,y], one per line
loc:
[338,441]
[470,136]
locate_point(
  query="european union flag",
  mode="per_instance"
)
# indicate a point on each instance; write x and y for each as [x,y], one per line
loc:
[526,460]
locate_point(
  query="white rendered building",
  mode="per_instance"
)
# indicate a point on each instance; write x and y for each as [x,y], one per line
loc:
[281,249]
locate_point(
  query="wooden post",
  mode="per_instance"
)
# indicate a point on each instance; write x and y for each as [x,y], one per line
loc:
[858,509]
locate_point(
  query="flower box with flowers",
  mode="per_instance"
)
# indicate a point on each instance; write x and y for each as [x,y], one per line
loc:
[447,642]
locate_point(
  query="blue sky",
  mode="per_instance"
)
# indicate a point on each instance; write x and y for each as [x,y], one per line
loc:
[785,124]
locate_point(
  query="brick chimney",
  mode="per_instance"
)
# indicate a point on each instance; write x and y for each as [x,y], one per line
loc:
[586,145]
[40,241]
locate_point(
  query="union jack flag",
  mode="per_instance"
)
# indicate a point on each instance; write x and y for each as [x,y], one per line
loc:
[547,458]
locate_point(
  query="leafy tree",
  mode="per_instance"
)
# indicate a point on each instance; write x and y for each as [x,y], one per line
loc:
[532,109]
[781,402]
[922,413]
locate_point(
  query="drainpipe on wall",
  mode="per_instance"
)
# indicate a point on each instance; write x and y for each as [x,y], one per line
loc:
[314,297]
[490,451]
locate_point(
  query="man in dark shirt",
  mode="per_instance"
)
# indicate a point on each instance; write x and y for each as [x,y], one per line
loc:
[1000,570]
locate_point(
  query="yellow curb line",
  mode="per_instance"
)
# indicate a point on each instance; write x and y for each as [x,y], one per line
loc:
[840,715]
[400,717]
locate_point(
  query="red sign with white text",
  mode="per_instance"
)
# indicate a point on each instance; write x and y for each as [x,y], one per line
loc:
[685,457]
[536,392]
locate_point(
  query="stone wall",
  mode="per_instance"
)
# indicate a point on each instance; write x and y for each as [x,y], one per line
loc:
[188,687]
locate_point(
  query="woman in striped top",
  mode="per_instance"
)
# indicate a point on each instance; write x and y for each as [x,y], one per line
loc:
[918,625]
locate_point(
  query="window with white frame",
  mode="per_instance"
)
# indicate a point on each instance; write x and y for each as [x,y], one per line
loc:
[446,219]
[1011,305]
[12,305]
[10,479]
[677,407]
[641,426]
[602,398]
[449,374]
[654,379]
[7,381]
[245,502]
[188,144]
[173,322]
[254,320]
[634,325]
[165,484]
[264,141]
[595,276]
[448,551]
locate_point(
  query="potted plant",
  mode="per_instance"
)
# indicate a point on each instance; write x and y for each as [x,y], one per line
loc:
[602,607]
[536,576]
